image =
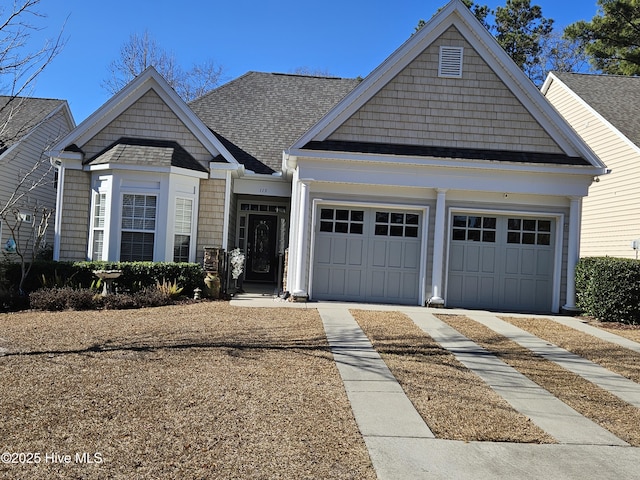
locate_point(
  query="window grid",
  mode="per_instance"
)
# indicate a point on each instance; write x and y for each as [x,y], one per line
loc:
[396,224]
[474,228]
[529,231]
[342,221]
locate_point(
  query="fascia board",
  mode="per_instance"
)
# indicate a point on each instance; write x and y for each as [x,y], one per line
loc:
[147,169]
[551,78]
[557,183]
[399,161]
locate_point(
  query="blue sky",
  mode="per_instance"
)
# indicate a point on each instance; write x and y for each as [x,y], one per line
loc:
[347,38]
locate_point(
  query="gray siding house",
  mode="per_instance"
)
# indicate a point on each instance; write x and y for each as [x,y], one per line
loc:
[28,128]
[443,177]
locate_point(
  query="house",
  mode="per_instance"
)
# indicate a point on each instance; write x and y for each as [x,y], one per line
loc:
[443,177]
[28,128]
[603,110]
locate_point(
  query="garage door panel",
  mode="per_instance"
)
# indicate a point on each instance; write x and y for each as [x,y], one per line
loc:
[394,259]
[488,259]
[379,253]
[472,259]
[411,256]
[456,258]
[501,262]
[339,251]
[544,263]
[356,252]
[354,283]
[377,283]
[367,255]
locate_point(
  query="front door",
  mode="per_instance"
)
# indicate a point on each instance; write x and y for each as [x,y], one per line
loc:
[262,259]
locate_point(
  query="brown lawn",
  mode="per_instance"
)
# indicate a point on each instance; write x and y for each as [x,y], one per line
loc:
[193,391]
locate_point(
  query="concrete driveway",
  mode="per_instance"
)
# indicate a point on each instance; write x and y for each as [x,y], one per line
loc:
[402,446]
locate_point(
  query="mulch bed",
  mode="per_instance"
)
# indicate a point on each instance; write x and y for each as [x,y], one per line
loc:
[189,391]
[454,402]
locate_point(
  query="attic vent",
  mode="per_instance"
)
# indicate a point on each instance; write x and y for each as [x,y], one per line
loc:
[450,62]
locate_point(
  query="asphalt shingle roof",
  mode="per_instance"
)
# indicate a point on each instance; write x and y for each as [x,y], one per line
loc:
[145,152]
[258,115]
[615,97]
[19,115]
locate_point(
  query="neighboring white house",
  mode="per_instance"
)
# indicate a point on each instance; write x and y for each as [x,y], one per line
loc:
[443,177]
[28,128]
[603,110]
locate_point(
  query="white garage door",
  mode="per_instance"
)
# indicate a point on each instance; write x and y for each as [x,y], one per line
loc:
[367,255]
[501,262]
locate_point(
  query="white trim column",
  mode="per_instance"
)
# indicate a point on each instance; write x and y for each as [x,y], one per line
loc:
[302,236]
[439,235]
[573,252]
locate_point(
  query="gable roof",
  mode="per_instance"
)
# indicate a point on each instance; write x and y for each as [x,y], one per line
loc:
[614,97]
[148,153]
[150,79]
[455,15]
[258,115]
[19,115]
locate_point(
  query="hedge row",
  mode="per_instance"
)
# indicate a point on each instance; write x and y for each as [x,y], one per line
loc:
[136,276]
[68,298]
[609,289]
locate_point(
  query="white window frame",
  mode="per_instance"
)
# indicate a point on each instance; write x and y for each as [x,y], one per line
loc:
[99,196]
[138,230]
[189,223]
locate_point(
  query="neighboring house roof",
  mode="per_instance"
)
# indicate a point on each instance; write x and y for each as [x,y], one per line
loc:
[615,97]
[258,115]
[19,115]
[148,153]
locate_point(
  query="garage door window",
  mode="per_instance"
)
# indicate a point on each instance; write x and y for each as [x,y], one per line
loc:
[396,224]
[342,221]
[474,228]
[528,231]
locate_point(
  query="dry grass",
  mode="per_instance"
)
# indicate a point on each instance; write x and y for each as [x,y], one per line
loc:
[455,403]
[194,391]
[618,359]
[595,403]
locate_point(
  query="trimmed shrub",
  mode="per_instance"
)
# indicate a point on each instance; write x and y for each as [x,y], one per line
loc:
[137,276]
[609,289]
[63,298]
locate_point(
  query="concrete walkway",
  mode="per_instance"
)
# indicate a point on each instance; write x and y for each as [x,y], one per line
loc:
[402,446]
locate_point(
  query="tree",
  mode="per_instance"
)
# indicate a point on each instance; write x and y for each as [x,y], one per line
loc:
[520,29]
[612,37]
[20,62]
[142,51]
[558,54]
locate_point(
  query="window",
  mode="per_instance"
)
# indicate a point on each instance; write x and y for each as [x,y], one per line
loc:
[528,231]
[450,62]
[342,221]
[99,214]
[182,230]
[138,227]
[397,224]
[474,228]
